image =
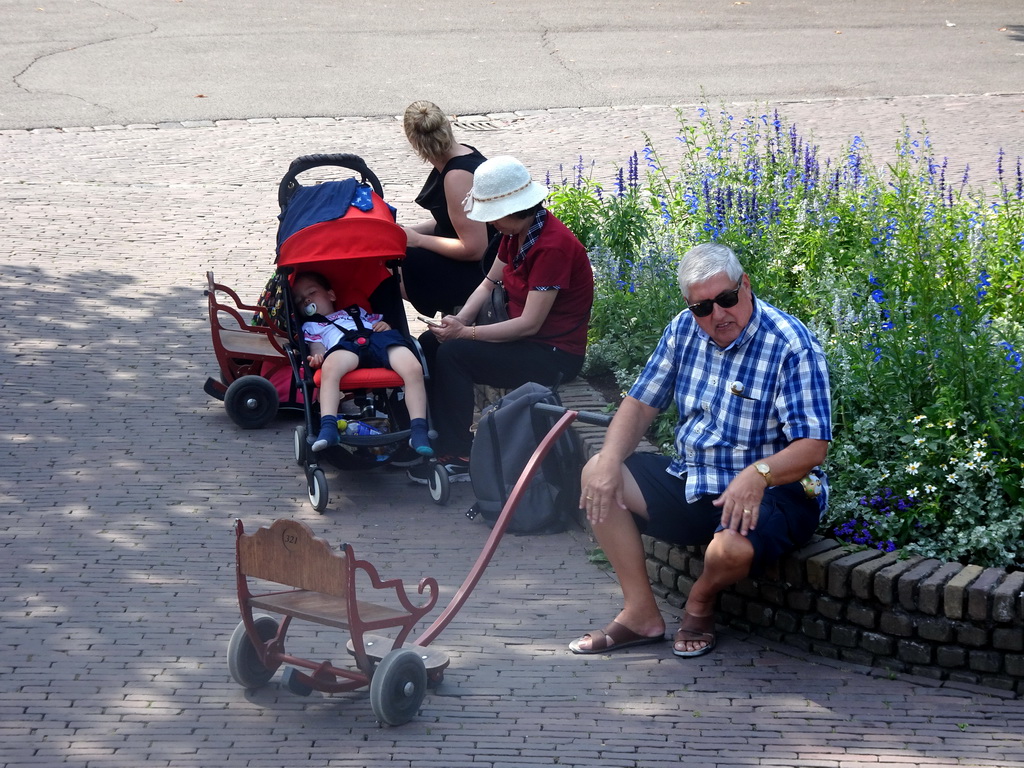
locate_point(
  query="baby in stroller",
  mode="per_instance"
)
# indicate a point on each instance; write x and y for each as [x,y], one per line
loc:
[339,341]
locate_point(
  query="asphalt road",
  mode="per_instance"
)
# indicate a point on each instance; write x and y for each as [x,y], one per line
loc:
[68,63]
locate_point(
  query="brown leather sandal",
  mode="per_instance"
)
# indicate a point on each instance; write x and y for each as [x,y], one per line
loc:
[614,637]
[694,629]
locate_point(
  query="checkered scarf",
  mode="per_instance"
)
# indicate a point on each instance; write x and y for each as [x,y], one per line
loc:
[531,237]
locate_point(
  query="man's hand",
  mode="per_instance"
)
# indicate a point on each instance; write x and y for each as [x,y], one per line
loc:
[603,489]
[741,501]
[604,484]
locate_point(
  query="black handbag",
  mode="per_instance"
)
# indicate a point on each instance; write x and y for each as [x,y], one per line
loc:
[495,308]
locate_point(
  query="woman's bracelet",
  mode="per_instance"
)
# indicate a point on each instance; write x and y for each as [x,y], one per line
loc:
[474,331]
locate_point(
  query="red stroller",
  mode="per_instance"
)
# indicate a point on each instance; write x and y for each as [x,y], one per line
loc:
[346,232]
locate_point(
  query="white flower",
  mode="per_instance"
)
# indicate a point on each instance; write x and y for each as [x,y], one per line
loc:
[930,488]
[917,419]
[919,441]
[912,493]
[951,478]
[912,467]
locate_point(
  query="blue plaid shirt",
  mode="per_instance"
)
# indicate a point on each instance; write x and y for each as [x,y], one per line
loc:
[740,404]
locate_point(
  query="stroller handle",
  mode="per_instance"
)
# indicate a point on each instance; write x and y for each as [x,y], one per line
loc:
[307,162]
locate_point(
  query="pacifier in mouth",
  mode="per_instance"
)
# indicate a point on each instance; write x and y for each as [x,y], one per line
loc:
[310,309]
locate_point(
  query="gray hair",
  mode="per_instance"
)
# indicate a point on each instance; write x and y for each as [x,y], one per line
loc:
[704,261]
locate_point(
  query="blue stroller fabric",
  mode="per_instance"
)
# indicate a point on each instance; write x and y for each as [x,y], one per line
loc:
[320,203]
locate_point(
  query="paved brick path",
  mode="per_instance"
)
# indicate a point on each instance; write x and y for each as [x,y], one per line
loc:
[120,478]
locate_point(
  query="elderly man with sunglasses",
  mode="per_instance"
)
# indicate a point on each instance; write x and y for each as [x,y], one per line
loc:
[752,390]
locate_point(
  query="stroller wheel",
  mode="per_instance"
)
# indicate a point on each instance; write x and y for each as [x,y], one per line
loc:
[300,445]
[439,485]
[398,687]
[318,490]
[251,402]
[243,660]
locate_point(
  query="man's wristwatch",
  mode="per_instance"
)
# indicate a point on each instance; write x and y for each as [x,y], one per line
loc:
[766,472]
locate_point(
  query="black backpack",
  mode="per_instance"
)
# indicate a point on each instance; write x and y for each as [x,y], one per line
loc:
[507,435]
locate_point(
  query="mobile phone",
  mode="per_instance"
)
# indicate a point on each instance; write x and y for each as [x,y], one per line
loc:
[430,321]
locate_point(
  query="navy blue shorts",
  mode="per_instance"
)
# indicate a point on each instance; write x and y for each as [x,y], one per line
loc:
[787,518]
[374,354]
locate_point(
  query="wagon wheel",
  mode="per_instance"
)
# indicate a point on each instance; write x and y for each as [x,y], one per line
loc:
[251,402]
[243,660]
[317,488]
[398,687]
[439,485]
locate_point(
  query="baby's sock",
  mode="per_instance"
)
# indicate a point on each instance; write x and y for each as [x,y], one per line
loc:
[328,433]
[419,439]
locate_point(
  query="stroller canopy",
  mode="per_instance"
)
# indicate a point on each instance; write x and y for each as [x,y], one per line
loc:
[343,230]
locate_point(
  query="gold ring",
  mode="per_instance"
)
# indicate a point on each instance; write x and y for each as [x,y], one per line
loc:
[747,512]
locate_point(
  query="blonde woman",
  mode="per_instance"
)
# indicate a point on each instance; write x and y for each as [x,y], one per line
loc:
[442,263]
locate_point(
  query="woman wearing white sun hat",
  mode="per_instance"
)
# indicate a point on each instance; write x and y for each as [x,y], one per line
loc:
[550,286]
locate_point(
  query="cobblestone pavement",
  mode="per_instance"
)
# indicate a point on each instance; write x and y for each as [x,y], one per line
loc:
[120,479]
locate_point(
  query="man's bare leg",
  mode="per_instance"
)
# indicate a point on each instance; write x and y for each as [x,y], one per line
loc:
[620,540]
[727,560]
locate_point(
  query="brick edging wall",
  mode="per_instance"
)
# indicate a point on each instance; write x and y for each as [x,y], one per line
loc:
[933,619]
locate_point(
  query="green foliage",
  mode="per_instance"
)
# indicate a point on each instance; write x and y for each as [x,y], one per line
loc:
[909,278]
[597,557]
[579,206]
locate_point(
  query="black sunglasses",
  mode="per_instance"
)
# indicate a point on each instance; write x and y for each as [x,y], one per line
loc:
[725,300]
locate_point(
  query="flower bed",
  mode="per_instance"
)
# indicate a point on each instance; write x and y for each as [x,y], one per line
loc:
[908,277]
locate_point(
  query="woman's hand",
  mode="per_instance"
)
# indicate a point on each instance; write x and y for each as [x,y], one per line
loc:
[451,327]
[414,239]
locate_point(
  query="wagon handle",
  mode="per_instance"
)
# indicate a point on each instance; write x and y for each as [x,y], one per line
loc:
[307,162]
[533,464]
[586,417]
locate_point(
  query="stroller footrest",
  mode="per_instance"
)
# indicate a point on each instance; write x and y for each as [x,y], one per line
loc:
[376,441]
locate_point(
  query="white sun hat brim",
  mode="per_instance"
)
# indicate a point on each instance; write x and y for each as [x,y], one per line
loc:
[502,186]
